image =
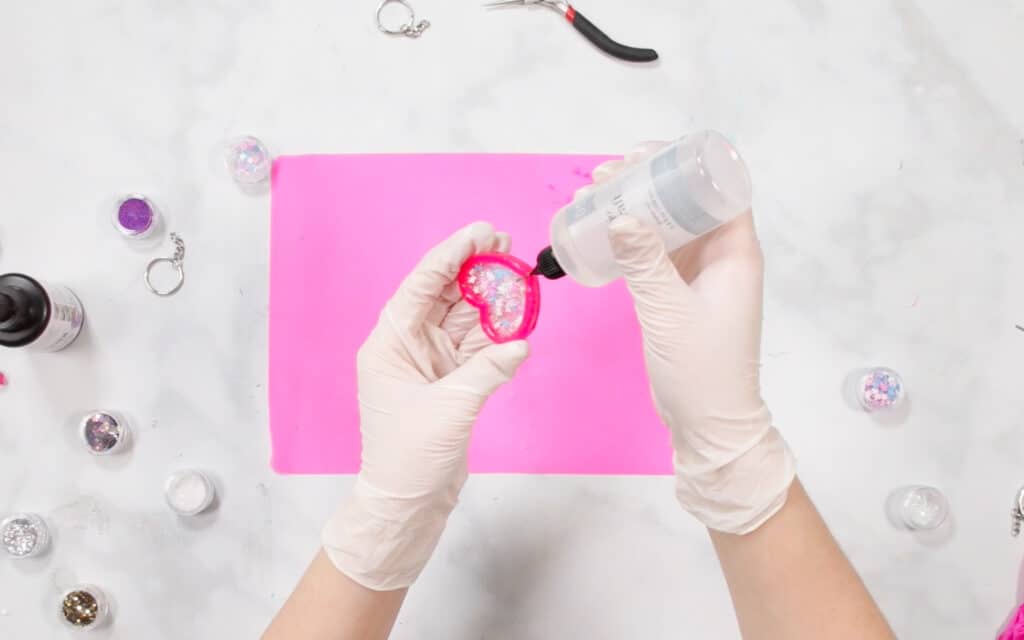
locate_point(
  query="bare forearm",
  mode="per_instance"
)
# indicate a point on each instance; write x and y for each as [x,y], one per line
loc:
[327,605]
[789,579]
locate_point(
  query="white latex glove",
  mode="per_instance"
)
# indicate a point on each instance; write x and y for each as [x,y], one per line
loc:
[700,310]
[424,375]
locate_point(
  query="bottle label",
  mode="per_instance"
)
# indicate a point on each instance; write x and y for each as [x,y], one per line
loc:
[675,198]
[658,195]
[66,319]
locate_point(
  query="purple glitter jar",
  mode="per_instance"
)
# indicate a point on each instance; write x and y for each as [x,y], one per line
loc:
[135,216]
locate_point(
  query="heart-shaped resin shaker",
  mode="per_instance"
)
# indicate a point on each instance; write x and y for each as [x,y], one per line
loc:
[505,292]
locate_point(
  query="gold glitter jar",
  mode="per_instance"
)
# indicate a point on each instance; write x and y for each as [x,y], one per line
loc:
[84,607]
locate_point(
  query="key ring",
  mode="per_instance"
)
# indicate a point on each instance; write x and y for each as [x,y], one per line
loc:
[176,261]
[410,29]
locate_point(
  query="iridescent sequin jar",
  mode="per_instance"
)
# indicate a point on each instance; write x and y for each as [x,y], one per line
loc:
[24,535]
[248,160]
[104,432]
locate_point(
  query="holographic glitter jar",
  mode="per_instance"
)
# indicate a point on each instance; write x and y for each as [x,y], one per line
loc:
[84,607]
[879,389]
[24,535]
[136,217]
[104,432]
[248,160]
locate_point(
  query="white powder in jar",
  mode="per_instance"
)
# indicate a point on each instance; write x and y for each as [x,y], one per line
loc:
[189,492]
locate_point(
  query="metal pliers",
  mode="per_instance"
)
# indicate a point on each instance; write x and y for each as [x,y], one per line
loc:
[587,28]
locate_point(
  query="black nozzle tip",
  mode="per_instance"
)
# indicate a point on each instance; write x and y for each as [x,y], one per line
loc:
[6,307]
[547,265]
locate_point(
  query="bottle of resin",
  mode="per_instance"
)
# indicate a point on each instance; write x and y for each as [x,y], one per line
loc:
[38,316]
[684,191]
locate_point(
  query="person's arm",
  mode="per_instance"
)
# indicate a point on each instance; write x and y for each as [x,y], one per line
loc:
[789,579]
[424,374]
[700,310]
[328,605]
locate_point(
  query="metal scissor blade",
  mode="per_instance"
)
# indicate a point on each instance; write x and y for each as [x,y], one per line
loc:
[498,4]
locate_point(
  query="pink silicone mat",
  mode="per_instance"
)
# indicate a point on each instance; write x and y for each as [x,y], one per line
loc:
[346,229]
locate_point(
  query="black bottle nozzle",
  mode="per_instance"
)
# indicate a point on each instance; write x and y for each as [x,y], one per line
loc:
[547,265]
[23,310]
[7,309]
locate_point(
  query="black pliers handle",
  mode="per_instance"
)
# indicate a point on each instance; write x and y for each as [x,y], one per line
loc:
[589,30]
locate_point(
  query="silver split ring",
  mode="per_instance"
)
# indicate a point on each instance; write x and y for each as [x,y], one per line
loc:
[177,285]
[411,28]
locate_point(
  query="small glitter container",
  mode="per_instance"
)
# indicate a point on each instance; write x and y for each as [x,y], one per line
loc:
[104,432]
[84,607]
[879,389]
[917,508]
[136,217]
[248,160]
[189,492]
[24,535]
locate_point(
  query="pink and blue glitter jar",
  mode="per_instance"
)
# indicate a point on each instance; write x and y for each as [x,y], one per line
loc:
[880,388]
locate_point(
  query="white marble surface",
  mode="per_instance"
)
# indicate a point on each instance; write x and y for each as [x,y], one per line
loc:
[886,141]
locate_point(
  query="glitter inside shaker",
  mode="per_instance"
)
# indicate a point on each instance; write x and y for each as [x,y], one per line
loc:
[104,432]
[189,492]
[24,535]
[506,293]
[135,216]
[84,607]
[248,160]
[879,389]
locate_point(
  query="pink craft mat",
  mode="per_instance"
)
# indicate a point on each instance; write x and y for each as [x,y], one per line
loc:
[346,229]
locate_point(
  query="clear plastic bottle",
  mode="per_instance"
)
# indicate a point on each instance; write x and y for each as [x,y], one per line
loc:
[685,190]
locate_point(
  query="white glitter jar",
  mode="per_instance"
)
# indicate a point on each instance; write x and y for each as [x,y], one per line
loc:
[189,492]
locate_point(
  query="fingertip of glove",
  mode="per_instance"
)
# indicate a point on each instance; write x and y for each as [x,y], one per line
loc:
[480,227]
[644,149]
[515,351]
[623,224]
[480,233]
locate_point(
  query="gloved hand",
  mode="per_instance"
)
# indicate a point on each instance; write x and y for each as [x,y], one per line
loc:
[700,310]
[424,375]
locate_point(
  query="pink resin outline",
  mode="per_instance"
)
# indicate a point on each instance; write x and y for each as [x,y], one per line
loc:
[532,294]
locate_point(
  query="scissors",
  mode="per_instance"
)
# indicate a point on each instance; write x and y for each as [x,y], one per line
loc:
[587,28]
